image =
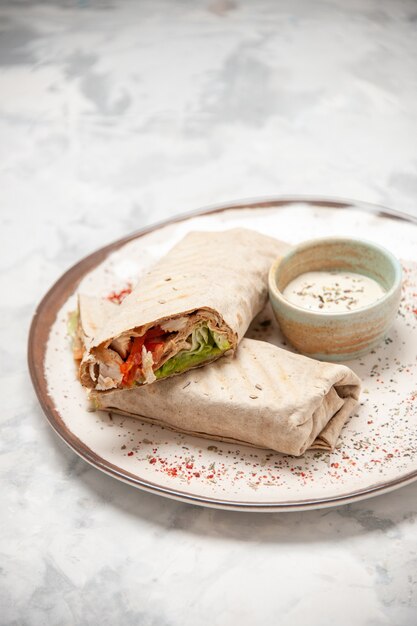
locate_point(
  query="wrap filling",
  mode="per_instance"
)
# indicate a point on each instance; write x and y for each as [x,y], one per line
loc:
[138,357]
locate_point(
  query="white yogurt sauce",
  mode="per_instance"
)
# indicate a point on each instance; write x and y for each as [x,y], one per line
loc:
[335,291]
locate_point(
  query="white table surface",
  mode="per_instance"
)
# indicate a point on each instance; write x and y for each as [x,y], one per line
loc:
[119,113]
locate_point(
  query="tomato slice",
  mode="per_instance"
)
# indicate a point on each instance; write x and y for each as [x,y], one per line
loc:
[133,362]
[156,347]
[153,342]
[156,331]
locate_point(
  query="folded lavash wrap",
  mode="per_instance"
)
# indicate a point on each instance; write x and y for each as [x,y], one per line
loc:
[264,396]
[192,307]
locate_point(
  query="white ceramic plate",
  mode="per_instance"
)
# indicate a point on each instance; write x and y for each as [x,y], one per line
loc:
[378,446]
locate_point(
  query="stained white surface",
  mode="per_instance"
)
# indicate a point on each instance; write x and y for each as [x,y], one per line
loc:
[117,114]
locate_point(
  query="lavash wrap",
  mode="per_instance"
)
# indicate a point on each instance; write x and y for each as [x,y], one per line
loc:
[265,397]
[219,277]
[93,314]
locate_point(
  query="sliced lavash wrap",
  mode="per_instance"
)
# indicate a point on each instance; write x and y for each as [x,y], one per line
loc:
[192,307]
[264,396]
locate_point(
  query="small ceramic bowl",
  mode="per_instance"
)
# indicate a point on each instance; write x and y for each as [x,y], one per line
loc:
[336,336]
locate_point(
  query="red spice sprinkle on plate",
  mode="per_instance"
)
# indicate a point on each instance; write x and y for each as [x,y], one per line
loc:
[118,296]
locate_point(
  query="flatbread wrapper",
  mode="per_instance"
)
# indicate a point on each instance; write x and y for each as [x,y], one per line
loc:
[192,307]
[265,397]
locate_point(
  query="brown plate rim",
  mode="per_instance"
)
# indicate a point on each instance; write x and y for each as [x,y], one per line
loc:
[56,296]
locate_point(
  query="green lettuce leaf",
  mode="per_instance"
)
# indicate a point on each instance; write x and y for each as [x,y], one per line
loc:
[72,324]
[204,345]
